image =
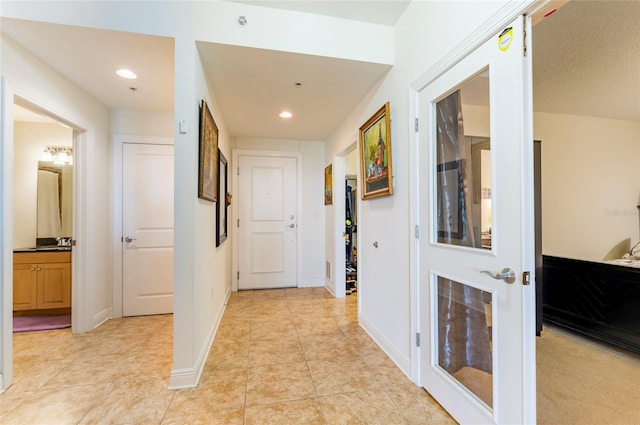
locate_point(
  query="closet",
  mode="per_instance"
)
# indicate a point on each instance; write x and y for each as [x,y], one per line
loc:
[350,232]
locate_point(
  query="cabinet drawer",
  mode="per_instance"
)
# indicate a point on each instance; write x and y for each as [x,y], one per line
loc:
[41,257]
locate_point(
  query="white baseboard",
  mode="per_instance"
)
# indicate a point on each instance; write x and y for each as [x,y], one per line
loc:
[402,361]
[189,377]
[330,288]
[330,285]
[183,378]
[102,317]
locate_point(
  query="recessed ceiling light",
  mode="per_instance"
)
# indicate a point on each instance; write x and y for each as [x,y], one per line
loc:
[285,114]
[125,73]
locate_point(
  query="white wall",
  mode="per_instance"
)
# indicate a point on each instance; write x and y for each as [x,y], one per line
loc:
[423,35]
[30,140]
[590,184]
[311,225]
[141,123]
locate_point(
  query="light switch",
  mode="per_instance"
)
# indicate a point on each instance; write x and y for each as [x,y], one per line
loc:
[183,127]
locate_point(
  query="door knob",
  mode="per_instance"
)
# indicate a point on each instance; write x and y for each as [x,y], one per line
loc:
[292,226]
[129,239]
[506,274]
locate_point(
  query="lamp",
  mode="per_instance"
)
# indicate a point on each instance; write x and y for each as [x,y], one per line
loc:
[59,155]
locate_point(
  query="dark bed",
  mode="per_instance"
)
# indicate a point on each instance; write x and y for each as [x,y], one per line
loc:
[601,300]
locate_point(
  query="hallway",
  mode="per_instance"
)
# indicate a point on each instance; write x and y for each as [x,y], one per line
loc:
[294,356]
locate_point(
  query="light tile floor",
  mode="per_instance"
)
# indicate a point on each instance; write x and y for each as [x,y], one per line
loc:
[292,356]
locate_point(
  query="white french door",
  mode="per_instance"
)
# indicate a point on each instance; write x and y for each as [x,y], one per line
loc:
[147,224]
[268,222]
[476,202]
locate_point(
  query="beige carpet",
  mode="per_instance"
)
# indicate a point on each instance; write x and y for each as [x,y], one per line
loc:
[584,382]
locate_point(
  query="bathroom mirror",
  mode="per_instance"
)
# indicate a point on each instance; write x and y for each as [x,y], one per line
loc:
[54,200]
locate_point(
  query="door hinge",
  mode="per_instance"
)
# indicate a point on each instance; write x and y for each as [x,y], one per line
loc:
[417,124]
[417,231]
[238,223]
[238,275]
[417,339]
[526,278]
[238,170]
[524,37]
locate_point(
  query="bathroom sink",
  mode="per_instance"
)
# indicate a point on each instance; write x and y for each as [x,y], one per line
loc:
[53,248]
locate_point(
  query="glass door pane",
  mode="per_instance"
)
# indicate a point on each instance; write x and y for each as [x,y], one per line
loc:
[463,165]
[465,335]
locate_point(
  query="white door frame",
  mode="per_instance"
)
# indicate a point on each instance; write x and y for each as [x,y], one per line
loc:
[235,154]
[6,233]
[118,142]
[81,320]
[492,26]
[339,268]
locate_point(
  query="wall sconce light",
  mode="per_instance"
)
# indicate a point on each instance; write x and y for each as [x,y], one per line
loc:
[59,155]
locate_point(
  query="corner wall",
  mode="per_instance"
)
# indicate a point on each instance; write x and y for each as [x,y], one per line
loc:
[384,282]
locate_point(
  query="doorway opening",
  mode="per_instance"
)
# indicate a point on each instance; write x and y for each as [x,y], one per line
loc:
[351,221]
[578,191]
[42,221]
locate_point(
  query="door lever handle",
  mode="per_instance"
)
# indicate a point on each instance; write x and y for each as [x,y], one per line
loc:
[506,274]
[129,239]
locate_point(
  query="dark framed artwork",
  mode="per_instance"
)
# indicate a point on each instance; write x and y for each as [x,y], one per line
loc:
[375,155]
[208,167]
[328,184]
[223,200]
[450,192]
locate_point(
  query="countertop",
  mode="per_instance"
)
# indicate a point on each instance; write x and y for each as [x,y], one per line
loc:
[43,249]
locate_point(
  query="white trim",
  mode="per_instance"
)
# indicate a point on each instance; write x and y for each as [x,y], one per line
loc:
[6,233]
[102,317]
[117,143]
[528,252]
[488,29]
[81,320]
[338,268]
[403,362]
[189,377]
[414,245]
[235,154]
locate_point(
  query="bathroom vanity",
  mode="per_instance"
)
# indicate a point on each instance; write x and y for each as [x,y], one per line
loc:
[42,279]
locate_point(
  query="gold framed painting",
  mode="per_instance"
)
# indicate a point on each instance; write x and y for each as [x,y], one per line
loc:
[208,167]
[328,184]
[375,155]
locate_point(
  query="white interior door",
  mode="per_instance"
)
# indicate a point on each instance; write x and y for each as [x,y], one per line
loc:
[477,356]
[268,222]
[147,223]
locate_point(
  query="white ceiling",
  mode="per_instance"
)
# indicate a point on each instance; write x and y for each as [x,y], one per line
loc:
[586,52]
[89,57]
[586,60]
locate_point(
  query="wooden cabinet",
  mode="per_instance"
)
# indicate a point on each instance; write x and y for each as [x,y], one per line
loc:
[41,280]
